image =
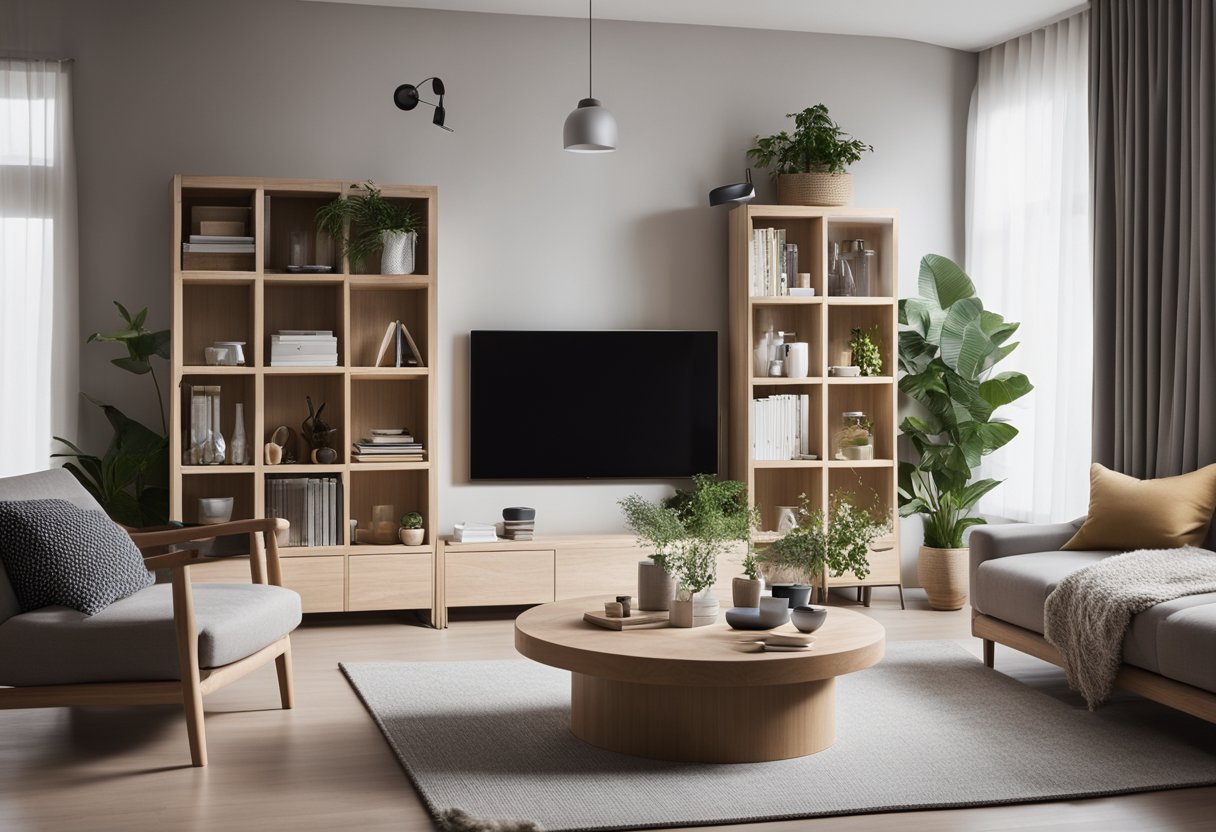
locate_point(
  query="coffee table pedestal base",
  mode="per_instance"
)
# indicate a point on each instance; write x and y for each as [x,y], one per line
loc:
[704,724]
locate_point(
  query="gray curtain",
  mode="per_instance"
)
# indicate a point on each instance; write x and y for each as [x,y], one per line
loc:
[1153,157]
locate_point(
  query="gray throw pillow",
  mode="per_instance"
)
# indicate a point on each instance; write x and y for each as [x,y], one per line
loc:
[56,553]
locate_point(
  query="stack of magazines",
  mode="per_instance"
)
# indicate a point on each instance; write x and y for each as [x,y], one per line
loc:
[388,445]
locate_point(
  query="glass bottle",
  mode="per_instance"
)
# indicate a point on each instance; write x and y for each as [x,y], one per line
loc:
[854,440]
[239,450]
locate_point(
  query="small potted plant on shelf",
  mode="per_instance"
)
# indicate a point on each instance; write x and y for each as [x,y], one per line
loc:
[863,345]
[364,221]
[689,531]
[811,165]
[745,591]
[830,543]
[948,347]
[411,531]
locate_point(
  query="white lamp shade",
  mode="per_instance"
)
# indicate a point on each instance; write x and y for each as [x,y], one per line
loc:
[589,129]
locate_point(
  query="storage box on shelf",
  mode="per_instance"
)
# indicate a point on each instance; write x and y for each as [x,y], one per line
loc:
[216,298]
[825,322]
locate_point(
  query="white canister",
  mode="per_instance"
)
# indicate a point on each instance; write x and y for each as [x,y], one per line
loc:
[798,360]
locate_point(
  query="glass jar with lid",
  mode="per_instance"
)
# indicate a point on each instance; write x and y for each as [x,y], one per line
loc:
[855,439]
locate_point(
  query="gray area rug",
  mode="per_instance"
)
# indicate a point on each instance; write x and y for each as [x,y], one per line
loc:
[928,727]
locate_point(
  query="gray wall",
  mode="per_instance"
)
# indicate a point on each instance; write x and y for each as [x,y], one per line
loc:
[530,236]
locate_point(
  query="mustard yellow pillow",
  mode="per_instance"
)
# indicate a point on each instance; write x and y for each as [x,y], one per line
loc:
[1127,513]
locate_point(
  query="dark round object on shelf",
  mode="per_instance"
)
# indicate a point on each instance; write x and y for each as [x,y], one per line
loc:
[799,594]
[519,513]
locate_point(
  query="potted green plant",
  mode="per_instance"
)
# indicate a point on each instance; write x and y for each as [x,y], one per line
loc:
[866,356]
[131,480]
[811,166]
[411,532]
[364,221]
[745,590]
[948,347]
[689,531]
[830,543]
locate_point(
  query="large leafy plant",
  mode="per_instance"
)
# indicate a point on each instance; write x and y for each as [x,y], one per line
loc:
[358,221]
[690,529]
[837,541]
[131,480]
[948,346]
[818,145]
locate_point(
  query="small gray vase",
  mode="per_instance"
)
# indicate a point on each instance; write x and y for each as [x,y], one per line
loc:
[656,588]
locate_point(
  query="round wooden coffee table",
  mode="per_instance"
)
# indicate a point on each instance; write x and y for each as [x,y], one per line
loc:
[699,694]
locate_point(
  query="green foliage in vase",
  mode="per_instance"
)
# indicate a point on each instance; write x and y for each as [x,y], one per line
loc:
[131,480]
[413,520]
[866,354]
[690,529]
[358,220]
[948,346]
[751,566]
[838,540]
[818,145]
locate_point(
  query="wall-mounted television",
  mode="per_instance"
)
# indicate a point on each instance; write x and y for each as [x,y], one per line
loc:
[593,404]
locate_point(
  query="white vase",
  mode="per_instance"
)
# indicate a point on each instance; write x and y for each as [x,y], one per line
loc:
[398,254]
[705,609]
[798,360]
[239,448]
[681,614]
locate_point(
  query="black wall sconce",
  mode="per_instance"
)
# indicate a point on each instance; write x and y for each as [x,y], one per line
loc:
[406,98]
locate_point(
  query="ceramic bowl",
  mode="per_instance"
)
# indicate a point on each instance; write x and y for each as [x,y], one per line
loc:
[519,513]
[746,618]
[213,510]
[774,611]
[799,594]
[844,372]
[808,619]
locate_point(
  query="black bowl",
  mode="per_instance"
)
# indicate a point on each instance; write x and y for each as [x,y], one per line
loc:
[519,513]
[799,594]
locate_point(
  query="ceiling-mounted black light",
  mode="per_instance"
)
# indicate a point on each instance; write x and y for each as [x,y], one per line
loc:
[406,98]
[738,192]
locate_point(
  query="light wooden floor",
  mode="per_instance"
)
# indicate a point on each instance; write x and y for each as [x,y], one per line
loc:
[325,766]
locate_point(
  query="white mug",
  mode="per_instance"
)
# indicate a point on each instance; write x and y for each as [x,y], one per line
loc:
[798,360]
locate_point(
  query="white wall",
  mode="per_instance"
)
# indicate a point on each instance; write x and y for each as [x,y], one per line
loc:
[530,236]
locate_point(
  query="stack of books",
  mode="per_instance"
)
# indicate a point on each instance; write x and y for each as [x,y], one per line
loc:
[304,348]
[518,529]
[781,428]
[219,239]
[388,445]
[772,264]
[313,506]
[474,533]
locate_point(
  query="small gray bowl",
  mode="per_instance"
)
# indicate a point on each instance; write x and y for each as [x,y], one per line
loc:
[808,619]
[519,513]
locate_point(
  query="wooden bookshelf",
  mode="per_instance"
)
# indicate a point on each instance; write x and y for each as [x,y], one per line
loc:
[251,304]
[825,323]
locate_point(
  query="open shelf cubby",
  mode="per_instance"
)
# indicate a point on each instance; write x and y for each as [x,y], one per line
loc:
[879,235]
[799,322]
[253,296]
[878,321]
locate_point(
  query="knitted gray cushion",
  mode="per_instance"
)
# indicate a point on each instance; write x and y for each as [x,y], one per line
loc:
[56,553]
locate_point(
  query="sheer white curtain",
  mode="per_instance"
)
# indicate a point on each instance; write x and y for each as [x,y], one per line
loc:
[1028,251]
[39,333]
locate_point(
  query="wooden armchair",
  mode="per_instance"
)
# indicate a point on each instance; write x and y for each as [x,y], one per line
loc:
[124,655]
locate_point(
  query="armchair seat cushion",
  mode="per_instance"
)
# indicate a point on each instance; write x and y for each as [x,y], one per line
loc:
[134,639]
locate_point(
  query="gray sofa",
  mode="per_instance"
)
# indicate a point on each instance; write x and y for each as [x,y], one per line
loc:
[1169,653]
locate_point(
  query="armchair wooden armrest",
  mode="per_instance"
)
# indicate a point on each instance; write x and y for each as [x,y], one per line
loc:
[263,546]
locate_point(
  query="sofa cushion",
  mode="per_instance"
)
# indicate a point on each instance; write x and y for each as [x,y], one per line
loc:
[56,553]
[134,639]
[1127,513]
[1186,642]
[1015,588]
[53,484]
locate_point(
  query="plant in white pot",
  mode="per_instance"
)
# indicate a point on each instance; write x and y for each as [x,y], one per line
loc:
[827,543]
[948,346]
[811,166]
[689,531]
[364,221]
[412,533]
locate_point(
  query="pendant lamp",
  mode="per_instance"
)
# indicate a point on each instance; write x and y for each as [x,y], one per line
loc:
[589,128]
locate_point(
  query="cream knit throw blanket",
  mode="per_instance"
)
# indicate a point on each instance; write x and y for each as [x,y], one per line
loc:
[1088,614]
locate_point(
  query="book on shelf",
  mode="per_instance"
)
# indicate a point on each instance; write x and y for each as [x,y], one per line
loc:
[780,427]
[218,248]
[397,335]
[303,348]
[402,439]
[220,238]
[312,505]
[474,533]
[772,263]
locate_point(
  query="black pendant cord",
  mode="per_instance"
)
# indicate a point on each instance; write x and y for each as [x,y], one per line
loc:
[589,48]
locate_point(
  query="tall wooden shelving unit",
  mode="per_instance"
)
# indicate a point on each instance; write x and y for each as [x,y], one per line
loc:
[825,323]
[250,305]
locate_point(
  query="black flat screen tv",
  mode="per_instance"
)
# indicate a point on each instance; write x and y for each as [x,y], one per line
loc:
[593,405]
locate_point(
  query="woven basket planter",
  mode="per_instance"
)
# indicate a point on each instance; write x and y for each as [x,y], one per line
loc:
[814,188]
[943,575]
